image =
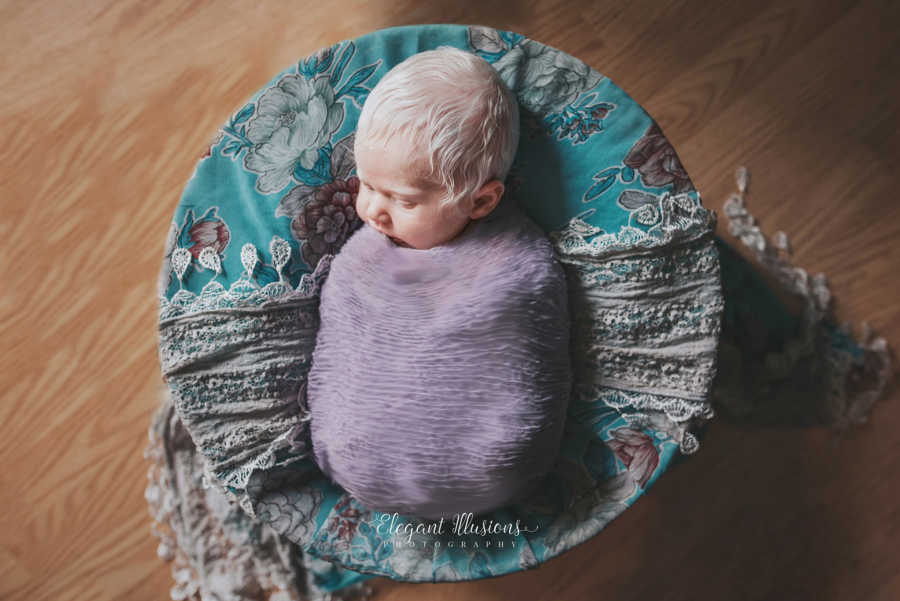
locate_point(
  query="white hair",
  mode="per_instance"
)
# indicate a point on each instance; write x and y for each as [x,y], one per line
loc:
[455,110]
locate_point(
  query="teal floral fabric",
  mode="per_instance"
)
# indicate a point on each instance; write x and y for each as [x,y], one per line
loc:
[271,202]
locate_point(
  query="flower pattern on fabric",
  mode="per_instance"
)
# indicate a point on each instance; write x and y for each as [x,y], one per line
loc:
[327,220]
[347,519]
[636,450]
[323,217]
[293,121]
[208,232]
[194,234]
[287,132]
[654,158]
[588,514]
[547,82]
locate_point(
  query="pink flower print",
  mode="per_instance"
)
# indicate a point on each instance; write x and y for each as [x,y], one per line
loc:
[656,161]
[208,232]
[637,452]
[346,521]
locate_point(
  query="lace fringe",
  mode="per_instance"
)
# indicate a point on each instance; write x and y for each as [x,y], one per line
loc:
[217,552]
[853,386]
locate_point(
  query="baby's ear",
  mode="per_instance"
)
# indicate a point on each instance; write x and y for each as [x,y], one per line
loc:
[487,198]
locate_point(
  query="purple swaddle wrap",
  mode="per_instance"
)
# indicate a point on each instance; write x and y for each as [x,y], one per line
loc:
[440,378]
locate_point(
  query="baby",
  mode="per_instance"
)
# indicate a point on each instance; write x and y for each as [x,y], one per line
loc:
[434,143]
[441,374]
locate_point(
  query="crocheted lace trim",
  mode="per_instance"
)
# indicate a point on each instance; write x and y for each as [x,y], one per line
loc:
[244,413]
[245,292]
[676,219]
[646,307]
[216,550]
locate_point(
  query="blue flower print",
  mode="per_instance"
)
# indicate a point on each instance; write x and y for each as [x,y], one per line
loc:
[547,80]
[294,119]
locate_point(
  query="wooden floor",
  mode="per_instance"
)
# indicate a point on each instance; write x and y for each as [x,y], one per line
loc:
[108,105]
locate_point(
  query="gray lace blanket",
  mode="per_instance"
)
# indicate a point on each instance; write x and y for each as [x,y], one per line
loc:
[440,378]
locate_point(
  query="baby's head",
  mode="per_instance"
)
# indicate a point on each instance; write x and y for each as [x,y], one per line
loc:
[434,143]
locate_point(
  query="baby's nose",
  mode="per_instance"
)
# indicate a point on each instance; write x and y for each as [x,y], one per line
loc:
[377,210]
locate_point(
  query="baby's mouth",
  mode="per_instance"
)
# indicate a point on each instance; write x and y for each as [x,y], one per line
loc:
[396,241]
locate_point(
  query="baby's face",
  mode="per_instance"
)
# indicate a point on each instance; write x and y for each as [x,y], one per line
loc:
[399,203]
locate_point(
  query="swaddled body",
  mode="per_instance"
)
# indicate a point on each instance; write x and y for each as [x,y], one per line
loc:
[440,378]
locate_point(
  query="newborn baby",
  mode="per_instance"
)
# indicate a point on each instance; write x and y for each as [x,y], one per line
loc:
[441,374]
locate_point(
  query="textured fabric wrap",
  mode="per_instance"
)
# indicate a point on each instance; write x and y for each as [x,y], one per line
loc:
[441,377]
